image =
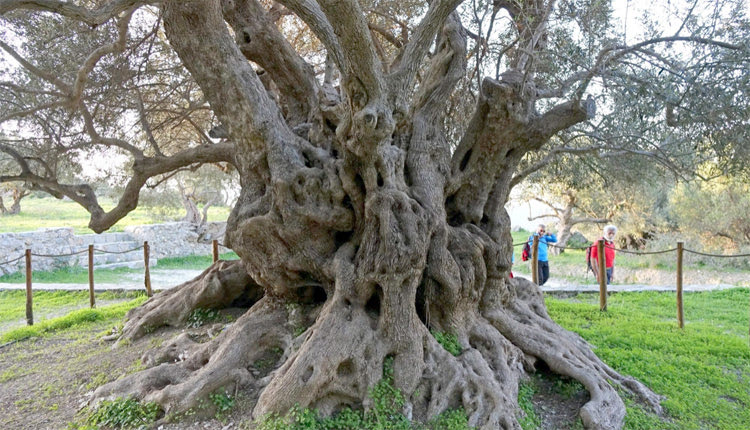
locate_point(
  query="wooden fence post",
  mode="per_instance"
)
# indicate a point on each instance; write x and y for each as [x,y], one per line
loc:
[680,314]
[147,274]
[92,301]
[602,275]
[215,250]
[29,296]
[535,260]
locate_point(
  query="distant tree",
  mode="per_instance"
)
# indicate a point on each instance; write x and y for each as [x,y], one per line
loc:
[17,192]
[714,212]
[567,211]
[376,150]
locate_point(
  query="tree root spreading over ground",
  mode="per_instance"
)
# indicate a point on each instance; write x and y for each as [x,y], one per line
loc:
[340,355]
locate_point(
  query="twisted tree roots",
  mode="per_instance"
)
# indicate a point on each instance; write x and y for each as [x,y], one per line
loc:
[327,355]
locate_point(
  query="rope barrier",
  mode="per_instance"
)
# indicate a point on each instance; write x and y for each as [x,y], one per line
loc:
[716,255]
[59,255]
[646,252]
[578,248]
[626,251]
[12,261]
[118,252]
[616,249]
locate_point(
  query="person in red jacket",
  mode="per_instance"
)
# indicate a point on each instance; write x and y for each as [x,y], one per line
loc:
[609,253]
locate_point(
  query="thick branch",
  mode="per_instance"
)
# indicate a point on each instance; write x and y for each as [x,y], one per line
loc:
[198,33]
[565,115]
[419,44]
[262,42]
[92,17]
[361,71]
[447,66]
[310,12]
[143,169]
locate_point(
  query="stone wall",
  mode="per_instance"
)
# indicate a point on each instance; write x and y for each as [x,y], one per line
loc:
[177,239]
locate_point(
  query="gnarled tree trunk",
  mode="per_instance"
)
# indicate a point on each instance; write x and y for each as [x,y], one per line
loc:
[358,224]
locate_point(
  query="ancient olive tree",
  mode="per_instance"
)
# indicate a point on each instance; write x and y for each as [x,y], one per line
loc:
[372,209]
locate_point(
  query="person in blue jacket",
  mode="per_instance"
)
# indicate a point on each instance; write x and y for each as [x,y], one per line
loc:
[542,255]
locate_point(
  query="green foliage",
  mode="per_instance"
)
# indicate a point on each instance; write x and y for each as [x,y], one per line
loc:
[529,419]
[703,369]
[124,413]
[202,316]
[387,402]
[448,341]
[566,387]
[223,401]
[385,414]
[450,420]
[76,318]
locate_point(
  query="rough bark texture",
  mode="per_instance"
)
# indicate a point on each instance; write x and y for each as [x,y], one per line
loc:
[358,224]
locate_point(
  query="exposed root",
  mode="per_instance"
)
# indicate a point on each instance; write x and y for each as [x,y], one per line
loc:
[339,359]
[228,361]
[482,380]
[216,287]
[525,323]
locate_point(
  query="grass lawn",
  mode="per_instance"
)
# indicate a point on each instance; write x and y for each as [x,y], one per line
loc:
[703,370]
[47,212]
[13,308]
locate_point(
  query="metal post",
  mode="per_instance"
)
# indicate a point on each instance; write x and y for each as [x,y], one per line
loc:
[215,250]
[147,275]
[92,301]
[680,314]
[29,294]
[602,275]
[535,260]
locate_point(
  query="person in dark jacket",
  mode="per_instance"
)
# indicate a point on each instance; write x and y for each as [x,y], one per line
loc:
[545,238]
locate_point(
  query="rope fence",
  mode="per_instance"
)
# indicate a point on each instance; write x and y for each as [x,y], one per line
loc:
[601,278]
[91,251]
[215,244]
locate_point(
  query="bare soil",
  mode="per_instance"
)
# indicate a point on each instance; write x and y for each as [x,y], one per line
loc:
[45,383]
[557,400]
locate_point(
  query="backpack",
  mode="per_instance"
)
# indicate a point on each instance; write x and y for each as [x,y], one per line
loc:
[588,259]
[526,252]
[588,255]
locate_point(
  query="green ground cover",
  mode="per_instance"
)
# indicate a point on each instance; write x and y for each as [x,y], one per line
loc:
[13,307]
[48,212]
[702,370]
